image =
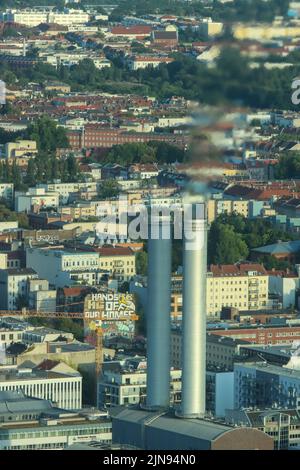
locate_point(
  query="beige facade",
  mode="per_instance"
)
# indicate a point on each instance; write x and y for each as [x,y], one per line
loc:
[247,291]
[244,287]
[121,267]
[244,31]
[216,207]
[21,148]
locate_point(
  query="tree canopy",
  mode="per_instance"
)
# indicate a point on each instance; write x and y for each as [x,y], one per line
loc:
[232,237]
[150,152]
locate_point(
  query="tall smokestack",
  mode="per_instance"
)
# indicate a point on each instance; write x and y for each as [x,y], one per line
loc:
[158,314]
[194,313]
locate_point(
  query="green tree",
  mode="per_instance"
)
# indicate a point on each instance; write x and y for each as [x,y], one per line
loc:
[226,246]
[141,263]
[48,135]
[109,189]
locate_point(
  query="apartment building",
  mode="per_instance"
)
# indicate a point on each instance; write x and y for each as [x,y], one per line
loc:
[259,333]
[262,385]
[98,137]
[119,261]
[79,356]
[45,335]
[14,284]
[210,28]
[131,32]
[142,62]
[124,383]
[242,286]
[59,264]
[216,207]
[219,391]
[20,149]
[221,351]
[80,210]
[51,380]
[8,336]
[35,197]
[34,17]
[7,191]
[65,189]
[40,297]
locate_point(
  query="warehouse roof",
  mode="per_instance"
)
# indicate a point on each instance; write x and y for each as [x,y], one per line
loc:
[199,428]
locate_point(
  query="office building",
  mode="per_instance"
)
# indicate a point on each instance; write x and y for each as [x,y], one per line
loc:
[283,425]
[35,424]
[221,351]
[51,380]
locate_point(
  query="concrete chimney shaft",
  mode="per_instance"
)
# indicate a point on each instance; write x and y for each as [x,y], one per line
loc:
[194,319]
[158,316]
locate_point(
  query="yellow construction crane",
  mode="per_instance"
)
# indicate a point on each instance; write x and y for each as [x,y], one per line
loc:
[97,316]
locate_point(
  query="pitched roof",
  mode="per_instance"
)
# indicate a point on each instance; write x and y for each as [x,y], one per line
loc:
[279,248]
[165,35]
[138,29]
[115,251]
[47,364]
[236,269]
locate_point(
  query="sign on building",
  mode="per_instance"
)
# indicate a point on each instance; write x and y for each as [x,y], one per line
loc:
[114,313]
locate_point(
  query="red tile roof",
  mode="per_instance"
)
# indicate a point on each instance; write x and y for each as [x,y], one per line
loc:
[132,30]
[236,269]
[71,291]
[47,364]
[115,251]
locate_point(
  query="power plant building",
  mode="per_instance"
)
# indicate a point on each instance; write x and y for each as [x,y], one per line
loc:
[163,431]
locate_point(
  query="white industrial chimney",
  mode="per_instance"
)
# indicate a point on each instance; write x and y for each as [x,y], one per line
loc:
[158,313]
[194,313]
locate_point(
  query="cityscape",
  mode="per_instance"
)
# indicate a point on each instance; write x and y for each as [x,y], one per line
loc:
[149,227]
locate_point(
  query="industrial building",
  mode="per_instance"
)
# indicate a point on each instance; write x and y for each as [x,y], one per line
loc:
[163,431]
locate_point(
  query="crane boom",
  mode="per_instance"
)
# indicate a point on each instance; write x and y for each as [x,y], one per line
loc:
[99,315]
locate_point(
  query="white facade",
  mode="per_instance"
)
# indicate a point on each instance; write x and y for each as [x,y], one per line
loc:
[68,59]
[35,197]
[56,265]
[7,191]
[64,391]
[8,336]
[13,284]
[129,388]
[169,121]
[7,226]
[135,63]
[222,392]
[65,189]
[54,435]
[285,288]
[34,17]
